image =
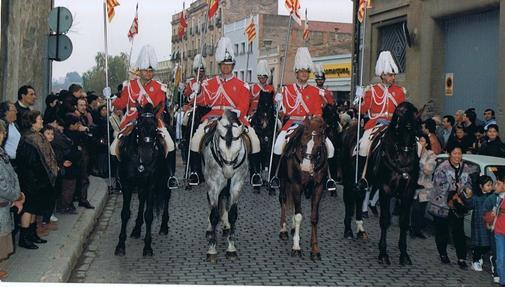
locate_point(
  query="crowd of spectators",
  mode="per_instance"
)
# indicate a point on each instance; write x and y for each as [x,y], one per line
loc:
[45,162]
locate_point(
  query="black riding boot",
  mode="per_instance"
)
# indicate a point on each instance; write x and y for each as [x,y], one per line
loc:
[255,169]
[196,175]
[172,180]
[24,239]
[274,180]
[362,184]
[33,234]
[331,185]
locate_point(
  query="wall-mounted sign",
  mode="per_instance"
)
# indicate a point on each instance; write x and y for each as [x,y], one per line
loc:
[336,71]
[449,84]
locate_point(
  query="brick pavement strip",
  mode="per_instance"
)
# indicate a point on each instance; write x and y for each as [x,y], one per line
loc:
[179,257]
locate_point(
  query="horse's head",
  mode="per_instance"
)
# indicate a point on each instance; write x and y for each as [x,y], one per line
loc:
[146,123]
[229,142]
[405,124]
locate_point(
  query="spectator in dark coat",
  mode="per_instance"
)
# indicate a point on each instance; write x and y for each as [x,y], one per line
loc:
[100,138]
[38,170]
[447,132]
[469,119]
[52,108]
[493,146]
[461,139]
[26,99]
[69,99]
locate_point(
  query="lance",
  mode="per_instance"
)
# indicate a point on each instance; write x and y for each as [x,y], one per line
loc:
[290,23]
[186,174]
[360,97]
[107,91]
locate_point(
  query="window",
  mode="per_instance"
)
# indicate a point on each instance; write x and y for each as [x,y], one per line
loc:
[249,76]
[392,38]
[242,75]
[249,50]
[235,73]
[242,48]
[236,49]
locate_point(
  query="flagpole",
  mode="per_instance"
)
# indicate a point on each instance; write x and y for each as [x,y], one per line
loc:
[290,23]
[202,42]
[130,55]
[107,88]
[361,97]
[247,62]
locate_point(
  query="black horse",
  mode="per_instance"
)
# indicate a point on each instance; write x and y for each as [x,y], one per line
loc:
[263,122]
[393,168]
[143,168]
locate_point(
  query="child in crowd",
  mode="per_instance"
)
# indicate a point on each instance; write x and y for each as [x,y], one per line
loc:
[49,220]
[495,220]
[481,236]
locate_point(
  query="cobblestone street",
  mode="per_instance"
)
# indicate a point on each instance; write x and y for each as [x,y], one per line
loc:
[179,258]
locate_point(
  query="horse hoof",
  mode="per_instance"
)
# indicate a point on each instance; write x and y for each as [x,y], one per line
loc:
[384,259]
[405,260]
[226,232]
[120,251]
[212,258]
[164,230]
[135,233]
[315,256]
[362,235]
[348,234]
[231,254]
[296,253]
[283,235]
[208,234]
[147,253]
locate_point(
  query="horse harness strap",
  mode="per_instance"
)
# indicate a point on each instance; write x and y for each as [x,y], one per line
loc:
[220,160]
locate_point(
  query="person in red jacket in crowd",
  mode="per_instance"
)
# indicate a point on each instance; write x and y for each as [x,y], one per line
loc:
[264,74]
[192,87]
[320,79]
[298,100]
[139,92]
[224,92]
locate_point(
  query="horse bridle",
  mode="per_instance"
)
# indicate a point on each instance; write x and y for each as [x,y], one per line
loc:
[216,153]
[147,140]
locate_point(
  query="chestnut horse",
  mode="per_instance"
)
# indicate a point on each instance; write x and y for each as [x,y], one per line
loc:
[303,168]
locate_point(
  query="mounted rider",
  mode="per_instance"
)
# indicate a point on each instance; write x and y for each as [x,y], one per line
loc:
[141,91]
[261,86]
[224,92]
[297,101]
[320,79]
[192,87]
[379,102]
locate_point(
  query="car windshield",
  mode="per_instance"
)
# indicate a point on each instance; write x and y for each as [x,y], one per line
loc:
[491,170]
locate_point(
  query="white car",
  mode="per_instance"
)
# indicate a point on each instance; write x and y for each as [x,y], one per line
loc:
[480,164]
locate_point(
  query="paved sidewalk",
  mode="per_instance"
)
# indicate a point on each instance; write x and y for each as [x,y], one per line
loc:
[54,261]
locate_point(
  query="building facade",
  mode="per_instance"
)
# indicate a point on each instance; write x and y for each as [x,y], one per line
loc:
[164,71]
[450,53]
[338,71]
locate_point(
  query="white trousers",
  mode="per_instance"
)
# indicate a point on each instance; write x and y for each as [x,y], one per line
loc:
[200,132]
[281,141]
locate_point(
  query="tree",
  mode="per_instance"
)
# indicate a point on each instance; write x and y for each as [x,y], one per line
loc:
[94,79]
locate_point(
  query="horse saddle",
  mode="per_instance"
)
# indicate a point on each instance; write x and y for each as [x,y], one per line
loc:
[376,137]
[210,129]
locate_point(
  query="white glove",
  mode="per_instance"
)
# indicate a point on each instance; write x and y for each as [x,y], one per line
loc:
[192,96]
[181,86]
[359,95]
[278,98]
[196,87]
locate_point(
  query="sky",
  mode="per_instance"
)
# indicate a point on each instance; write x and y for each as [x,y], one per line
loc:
[87,29]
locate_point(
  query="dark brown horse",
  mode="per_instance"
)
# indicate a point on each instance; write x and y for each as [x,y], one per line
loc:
[304,168]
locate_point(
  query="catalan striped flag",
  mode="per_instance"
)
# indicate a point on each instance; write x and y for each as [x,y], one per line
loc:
[134,28]
[213,7]
[363,5]
[250,30]
[110,8]
[306,32]
[293,6]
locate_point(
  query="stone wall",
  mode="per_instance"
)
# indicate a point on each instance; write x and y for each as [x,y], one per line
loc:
[23,56]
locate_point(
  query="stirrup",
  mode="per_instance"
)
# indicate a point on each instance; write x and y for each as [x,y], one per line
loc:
[194,179]
[275,183]
[256,180]
[173,182]
[331,185]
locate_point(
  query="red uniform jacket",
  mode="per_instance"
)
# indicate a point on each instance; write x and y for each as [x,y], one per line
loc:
[328,97]
[134,93]
[380,103]
[220,95]
[188,90]
[255,96]
[299,102]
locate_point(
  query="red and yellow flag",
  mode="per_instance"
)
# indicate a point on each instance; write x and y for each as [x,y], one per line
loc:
[181,29]
[110,8]
[213,7]
[134,28]
[250,30]
[363,5]
[306,32]
[293,6]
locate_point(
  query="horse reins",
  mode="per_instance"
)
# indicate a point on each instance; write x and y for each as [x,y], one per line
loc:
[216,153]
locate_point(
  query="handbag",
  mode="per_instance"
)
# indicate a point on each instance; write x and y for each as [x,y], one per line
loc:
[437,206]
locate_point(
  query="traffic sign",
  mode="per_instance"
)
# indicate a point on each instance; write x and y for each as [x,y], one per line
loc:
[60,20]
[60,47]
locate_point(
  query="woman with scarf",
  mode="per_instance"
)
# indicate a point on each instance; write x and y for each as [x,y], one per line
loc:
[38,170]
